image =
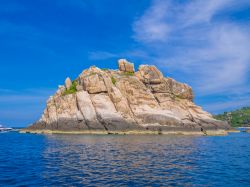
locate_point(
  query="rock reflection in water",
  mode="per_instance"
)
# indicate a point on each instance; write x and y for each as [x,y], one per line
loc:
[119,160]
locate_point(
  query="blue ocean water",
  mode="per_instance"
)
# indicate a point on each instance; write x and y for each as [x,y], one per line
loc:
[130,160]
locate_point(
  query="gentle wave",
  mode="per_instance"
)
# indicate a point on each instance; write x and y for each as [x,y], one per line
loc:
[116,160]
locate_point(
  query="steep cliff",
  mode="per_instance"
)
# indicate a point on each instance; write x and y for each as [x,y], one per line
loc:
[123,101]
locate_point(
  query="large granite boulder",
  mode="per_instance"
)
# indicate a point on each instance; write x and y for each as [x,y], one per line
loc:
[180,90]
[126,66]
[149,74]
[94,84]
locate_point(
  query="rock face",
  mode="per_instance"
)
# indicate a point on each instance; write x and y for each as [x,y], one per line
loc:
[123,101]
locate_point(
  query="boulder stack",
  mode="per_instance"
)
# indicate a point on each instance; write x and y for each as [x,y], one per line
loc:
[126,66]
[113,101]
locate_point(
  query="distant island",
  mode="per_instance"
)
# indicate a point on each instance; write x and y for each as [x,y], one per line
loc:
[125,101]
[236,118]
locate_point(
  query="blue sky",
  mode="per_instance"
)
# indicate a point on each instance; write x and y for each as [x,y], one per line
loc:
[203,43]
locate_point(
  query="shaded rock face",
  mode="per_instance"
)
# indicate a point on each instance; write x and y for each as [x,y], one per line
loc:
[109,100]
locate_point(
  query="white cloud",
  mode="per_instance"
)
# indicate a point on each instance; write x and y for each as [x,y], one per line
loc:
[200,11]
[151,26]
[221,64]
[211,55]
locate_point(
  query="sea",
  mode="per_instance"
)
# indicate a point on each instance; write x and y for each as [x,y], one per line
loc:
[124,160]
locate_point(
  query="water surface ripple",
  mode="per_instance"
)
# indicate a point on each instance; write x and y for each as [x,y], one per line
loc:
[116,160]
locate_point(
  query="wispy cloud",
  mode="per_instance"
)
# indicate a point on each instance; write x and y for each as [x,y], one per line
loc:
[220,65]
[200,12]
[189,42]
[101,55]
[152,25]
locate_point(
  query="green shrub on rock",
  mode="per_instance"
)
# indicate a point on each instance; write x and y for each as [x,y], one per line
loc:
[113,80]
[129,73]
[72,89]
[104,69]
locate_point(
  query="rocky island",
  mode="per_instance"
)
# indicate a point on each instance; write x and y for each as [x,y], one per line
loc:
[125,101]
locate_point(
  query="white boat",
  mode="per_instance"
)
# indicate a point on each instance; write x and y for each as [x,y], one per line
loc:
[5,129]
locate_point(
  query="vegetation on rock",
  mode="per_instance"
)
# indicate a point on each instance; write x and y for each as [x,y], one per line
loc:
[113,80]
[104,69]
[129,73]
[236,118]
[92,73]
[71,90]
